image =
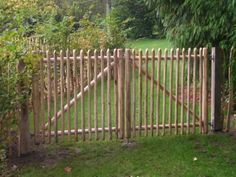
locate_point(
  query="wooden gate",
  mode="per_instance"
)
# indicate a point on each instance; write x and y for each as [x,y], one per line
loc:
[120,94]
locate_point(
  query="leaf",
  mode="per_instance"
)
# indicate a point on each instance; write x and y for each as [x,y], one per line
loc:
[68,169]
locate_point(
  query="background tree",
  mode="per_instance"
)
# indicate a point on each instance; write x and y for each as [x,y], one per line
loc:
[134,17]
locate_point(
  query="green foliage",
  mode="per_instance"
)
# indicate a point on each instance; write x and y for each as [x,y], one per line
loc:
[11,53]
[199,23]
[134,17]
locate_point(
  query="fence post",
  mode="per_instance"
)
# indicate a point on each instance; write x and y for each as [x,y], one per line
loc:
[24,134]
[216,76]
[127,95]
[205,91]
[36,105]
[121,76]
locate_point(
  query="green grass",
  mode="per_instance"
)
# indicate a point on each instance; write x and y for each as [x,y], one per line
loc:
[171,156]
[149,44]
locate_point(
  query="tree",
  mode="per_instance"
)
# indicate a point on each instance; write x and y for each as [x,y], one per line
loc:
[197,23]
[134,17]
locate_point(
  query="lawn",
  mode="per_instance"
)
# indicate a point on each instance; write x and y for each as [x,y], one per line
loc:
[170,156]
[149,44]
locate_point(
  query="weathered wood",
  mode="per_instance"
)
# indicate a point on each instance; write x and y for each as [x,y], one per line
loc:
[205,90]
[55,94]
[102,93]
[24,133]
[89,92]
[194,88]
[121,77]
[113,129]
[164,95]
[75,94]
[116,90]
[158,115]
[109,92]
[42,103]
[200,89]
[229,107]
[82,93]
[95,95]
[127,95]
[216,77]
[36,105]
[62,93]
[49,96]
[140,92]
[171,84]
[188,90]
[134,94]
[68,90]
[177,90]
[146,94]
[152,91]
[182,91]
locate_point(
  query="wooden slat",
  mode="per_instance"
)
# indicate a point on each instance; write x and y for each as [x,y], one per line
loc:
[194,88]
[171,84]
[146,93]
[95,95]
[36,105]
[158,115]
[75,94]
[49,96]
[164,95]
[109,92]
[42,106]
[200,90]
[62,92]
[140,92]
[116,90]
[152,90]
[205,90]
[188,91]
[134,93]
[128,95]
[82,93]
[102,94]
[121,77]
[177,90]
[89,93]
[55,95]
[230,82]
[182,92]
[68,91]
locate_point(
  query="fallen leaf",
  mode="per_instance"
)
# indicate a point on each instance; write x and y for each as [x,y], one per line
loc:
[68,169]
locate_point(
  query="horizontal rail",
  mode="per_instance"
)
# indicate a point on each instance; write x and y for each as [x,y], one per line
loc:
[112,57]
[93,130]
